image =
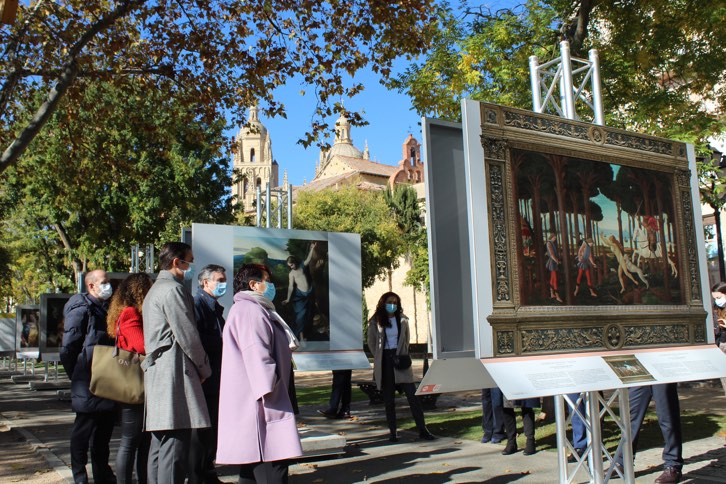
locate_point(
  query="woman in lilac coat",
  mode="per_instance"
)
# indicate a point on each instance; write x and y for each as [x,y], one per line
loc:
[257,426]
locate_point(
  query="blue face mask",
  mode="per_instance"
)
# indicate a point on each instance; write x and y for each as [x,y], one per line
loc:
[391,308]
[269,291]
[189,273]
[220,289]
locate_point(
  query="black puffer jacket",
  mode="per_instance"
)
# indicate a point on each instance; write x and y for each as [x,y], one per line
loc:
[84,328]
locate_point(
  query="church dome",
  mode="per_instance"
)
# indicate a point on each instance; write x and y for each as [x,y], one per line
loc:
[343,144]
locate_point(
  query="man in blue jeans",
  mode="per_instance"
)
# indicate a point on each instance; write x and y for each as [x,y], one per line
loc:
[669,418]
[492,415]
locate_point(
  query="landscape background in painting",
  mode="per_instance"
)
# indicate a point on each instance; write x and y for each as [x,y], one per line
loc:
[307,314]
[622,216]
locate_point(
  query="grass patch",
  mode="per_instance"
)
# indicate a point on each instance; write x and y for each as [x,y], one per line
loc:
[319,396]
[467,425]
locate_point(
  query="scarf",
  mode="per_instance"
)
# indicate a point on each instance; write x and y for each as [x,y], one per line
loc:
[292,341]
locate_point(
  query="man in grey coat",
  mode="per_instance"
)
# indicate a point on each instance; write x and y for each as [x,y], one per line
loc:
[174,368]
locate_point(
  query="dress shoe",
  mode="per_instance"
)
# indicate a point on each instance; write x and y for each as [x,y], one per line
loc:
[327,413]
[426,435]
[393,437]
[343,414]
[670,475]
[572,458]
[510,449]
[530,448]
[485,439]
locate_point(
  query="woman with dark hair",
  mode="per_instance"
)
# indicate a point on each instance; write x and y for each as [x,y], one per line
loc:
[718,292]
[125,324]
[388,340]
[257,426]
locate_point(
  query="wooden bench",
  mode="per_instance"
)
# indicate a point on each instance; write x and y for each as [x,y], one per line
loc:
[375,396]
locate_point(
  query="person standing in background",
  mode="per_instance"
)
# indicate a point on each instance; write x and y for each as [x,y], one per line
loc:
[210,324]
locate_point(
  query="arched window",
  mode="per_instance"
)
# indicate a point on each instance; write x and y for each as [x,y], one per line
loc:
[259,182]
[252,155]
[246,187]
[413,157]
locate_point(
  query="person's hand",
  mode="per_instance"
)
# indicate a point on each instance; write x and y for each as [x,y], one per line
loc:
[721,323]
[202,380]
[285,301]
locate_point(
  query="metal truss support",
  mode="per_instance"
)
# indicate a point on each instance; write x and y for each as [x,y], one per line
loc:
[147,256]
[283,197]
[574,79]
[595,460]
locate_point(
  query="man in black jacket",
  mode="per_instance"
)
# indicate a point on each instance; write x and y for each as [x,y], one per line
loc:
[84,328]
[210,323]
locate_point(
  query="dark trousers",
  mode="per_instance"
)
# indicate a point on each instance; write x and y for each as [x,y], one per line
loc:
[341,392]
[510,424]
[134,445]
[168,456]
[203,449]
[668,410]
[92,430]
[492,415]
[263,473]
[388,389]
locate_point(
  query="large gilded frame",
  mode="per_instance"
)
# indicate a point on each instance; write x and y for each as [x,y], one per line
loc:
[519,329]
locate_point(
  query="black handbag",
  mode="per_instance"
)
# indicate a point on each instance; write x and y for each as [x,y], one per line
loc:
[402,362]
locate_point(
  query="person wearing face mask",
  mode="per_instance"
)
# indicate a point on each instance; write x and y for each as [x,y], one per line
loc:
[257,428]
[388,338]
[84,328]
[718,292]
[175,367]
[210,323]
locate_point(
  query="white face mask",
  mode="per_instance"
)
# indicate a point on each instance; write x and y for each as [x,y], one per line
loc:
[105,291]
[720,301]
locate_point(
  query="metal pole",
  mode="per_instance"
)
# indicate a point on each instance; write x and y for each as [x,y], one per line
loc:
[569,98]
[596,88]
[150,258]
[259,206]
[534,80]
[593,414]
[627,437]
[561,425]
[289,207]
[279,208]
[268,208]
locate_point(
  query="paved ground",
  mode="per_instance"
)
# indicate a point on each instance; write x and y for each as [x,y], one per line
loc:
[36,449]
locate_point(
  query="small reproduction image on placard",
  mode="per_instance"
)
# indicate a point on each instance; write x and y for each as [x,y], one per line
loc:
[628,368]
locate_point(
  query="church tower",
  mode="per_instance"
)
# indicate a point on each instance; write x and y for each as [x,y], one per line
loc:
[253,163]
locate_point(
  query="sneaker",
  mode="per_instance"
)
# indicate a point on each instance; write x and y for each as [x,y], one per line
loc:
[426,435]
[671,475]
[343,414]
[393,437]
[485,439]
[497,440]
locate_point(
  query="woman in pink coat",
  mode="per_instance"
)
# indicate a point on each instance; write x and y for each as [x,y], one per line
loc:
[257,426]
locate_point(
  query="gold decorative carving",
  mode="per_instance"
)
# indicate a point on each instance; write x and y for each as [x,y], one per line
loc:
[641,143]
[499,233]
[691,244]
[699,333]
[597,135]
[656,334]
[561,339]
[505,342]
[533,122]
[490,116]
[494,148]
[614,337]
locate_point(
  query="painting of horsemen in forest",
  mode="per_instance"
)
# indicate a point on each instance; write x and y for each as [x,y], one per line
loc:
[594,233]
[299,271]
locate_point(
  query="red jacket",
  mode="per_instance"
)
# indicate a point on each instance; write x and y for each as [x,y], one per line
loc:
[130,333]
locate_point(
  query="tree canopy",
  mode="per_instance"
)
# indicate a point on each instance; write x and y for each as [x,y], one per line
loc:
[133,167]
[215,58]
[662,61]
[349,209]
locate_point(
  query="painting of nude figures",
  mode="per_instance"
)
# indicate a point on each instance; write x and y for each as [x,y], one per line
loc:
[299,270]
[594,233]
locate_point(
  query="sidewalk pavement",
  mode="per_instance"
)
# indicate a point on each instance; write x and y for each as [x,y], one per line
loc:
[43,423]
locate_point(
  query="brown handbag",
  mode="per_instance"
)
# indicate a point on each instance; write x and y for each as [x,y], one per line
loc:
[116,374]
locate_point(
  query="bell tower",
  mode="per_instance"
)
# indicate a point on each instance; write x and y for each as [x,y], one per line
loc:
[253,162]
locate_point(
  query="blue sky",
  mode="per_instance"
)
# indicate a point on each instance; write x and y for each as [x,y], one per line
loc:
[388,113]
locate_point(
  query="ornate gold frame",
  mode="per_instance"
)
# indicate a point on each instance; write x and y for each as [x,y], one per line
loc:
[527,330]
